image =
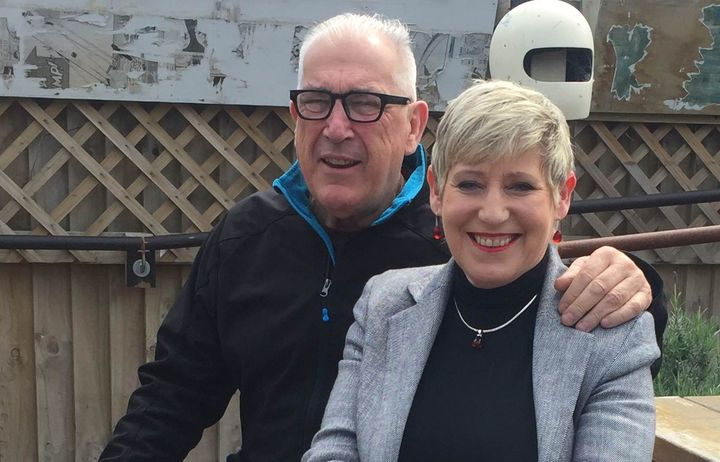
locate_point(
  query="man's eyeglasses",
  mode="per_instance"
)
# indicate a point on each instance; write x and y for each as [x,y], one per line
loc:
[360,106]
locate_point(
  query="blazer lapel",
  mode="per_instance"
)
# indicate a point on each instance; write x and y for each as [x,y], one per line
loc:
[560,357]
[411,334]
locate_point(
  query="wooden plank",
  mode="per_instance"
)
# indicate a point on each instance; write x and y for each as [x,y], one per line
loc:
[158,301]
[18,427]
[697,287]
[91,359]
[685,431]
[54,363]
[94,167]
[178,151]
[127,339]
[710,402]
[143,164]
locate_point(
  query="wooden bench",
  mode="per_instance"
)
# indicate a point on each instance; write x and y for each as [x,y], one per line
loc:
[687,429]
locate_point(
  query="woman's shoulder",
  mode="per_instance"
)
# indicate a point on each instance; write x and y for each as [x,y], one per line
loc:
[625,347]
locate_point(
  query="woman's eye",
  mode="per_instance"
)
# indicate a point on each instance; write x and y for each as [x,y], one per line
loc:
[468,185]
[522,187]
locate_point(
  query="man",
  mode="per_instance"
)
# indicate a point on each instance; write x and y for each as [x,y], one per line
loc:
[267,304]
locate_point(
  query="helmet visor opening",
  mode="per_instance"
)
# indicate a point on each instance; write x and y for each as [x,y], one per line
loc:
[559,64]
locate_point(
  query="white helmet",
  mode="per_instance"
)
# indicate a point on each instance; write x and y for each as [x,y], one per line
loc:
[546,45]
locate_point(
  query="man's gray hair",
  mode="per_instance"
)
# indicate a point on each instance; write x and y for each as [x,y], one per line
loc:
[495,120]
[362,25]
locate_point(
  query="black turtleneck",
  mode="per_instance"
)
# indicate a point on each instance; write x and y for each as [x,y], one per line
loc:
[477,404]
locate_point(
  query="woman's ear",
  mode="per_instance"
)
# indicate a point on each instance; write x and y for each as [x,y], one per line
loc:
[435,193]
[566,193]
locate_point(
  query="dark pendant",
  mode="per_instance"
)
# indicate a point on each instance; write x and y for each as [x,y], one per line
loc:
[477,343]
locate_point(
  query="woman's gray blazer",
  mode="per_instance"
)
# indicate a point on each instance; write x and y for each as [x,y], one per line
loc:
[592,391]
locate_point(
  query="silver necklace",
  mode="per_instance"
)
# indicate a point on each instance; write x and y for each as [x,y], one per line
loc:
[478,342]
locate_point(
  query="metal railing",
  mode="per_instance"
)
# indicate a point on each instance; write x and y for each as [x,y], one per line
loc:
[144,246]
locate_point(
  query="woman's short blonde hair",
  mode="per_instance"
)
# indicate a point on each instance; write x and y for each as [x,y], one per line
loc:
[494,120]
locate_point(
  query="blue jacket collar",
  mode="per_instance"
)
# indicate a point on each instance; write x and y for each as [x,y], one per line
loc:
[292,185]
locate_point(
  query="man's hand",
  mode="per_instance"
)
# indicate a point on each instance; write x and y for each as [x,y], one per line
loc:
[605,288]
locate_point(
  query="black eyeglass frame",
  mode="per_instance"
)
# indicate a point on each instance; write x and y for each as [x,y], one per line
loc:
[385,99]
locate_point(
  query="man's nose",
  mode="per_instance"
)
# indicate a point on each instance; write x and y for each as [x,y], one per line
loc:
[337,126]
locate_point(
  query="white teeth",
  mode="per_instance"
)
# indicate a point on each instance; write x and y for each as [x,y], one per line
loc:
[492,242]
[339,162]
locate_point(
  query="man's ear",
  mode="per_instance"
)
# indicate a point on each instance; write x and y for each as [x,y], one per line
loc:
[566,192]
[419,114]
[293,112]
[435,193]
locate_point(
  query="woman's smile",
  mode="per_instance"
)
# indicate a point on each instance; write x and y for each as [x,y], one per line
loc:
[493,242]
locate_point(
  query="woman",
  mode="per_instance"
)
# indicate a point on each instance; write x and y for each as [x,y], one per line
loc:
[469,360]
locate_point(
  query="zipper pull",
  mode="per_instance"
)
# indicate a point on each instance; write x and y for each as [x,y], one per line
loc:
[325,288]
[324,293]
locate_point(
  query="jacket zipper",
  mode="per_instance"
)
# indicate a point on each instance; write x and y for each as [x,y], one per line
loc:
[325,312]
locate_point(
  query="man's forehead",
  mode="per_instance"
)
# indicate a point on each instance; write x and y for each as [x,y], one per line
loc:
[349,63]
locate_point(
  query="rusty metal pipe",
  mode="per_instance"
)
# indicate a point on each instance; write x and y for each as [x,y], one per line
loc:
[644,241]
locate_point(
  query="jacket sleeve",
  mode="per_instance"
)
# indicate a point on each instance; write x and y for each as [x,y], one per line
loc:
[658,305]
[186,388]
[618,419]
[337,439]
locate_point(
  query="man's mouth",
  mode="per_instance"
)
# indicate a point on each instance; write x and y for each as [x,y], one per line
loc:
[339,163]
[494,243]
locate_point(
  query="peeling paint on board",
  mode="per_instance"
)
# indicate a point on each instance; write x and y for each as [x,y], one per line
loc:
[630,47]
[210,51]
[703,86]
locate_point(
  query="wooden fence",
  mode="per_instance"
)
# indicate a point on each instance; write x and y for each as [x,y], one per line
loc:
[71,339]
[71,333]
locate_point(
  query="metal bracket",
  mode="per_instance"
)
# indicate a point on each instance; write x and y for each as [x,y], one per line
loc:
[140,267]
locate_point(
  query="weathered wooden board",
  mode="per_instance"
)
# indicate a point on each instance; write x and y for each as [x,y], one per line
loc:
[230,52]
[656,56]
[18,417]
[54,363]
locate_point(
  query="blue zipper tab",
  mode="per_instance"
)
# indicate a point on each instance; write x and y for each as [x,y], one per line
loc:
[325,315]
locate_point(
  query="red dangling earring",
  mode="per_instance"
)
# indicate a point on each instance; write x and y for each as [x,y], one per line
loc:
[557,237]
[437,230]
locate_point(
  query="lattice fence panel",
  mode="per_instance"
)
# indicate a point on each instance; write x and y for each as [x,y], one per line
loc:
[616,159]
[103,168]
[106,168]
